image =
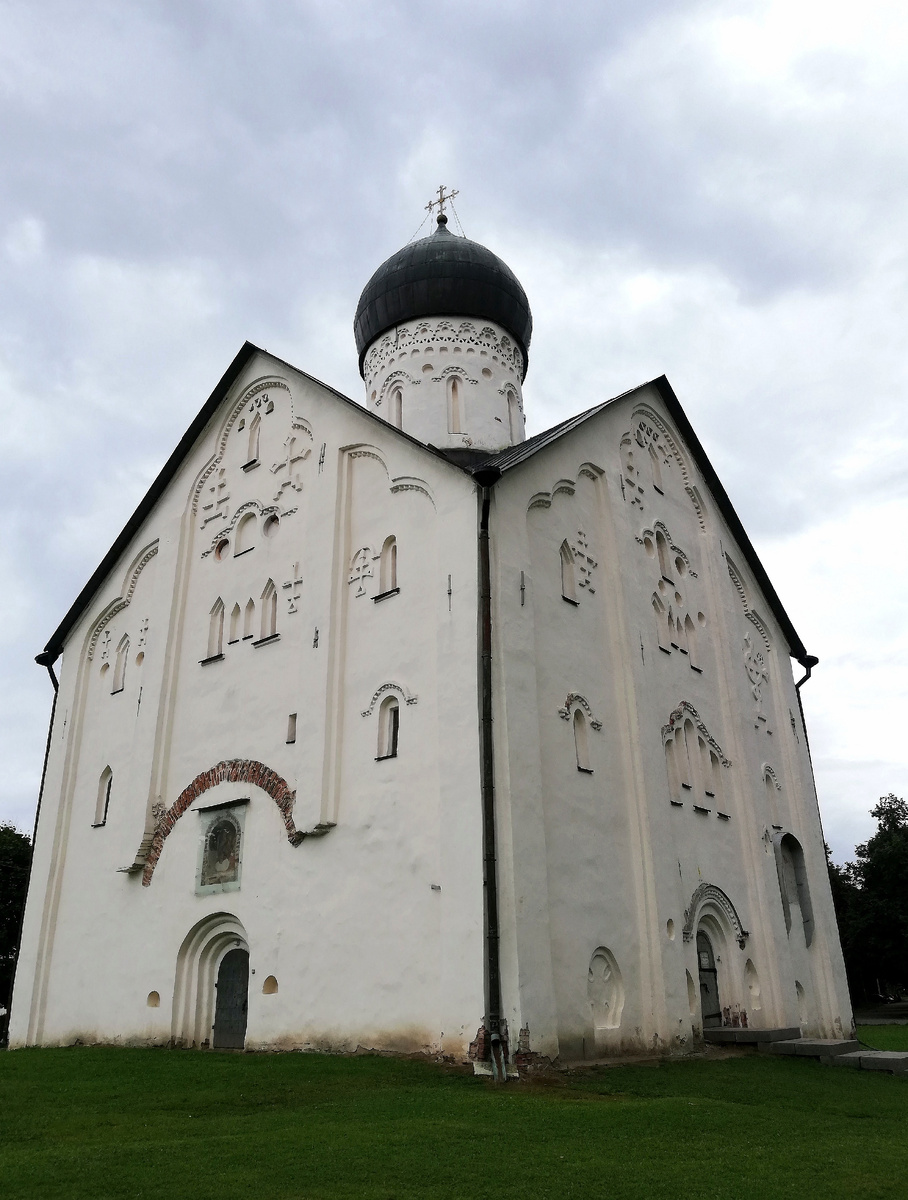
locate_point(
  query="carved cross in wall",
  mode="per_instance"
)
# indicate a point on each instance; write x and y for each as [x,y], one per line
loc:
[361,569]
[218,499]
[442,199]
[287,464]
[105,645]
[755,665]
[585,564]
[143,632]
[294,586]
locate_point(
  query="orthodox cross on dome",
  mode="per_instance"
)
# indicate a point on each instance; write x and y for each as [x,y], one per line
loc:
[441,202]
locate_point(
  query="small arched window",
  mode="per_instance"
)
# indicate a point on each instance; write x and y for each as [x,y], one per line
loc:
[396,408]
[245,534]
[656,466]
[455,404]
[216,630]
[236,617]
[255,429]
[793,883]
[388,727]
[387,572]
[661,624]
[515,419]
[249,619]
[664,556]
[568,574]
[582,743]
[690,637]
[269,610]
[103,801]
[119,679]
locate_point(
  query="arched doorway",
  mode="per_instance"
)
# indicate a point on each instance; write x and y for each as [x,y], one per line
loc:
[198,983]
[710,1007]
[232,1001]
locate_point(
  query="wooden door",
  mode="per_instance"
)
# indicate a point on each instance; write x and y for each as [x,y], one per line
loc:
[232,1001]
[710,1008]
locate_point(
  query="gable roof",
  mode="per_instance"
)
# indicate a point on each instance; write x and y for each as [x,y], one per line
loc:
[490,467]
[508,459]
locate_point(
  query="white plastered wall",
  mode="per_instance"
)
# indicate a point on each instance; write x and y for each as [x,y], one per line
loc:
[373,931]
[606,859]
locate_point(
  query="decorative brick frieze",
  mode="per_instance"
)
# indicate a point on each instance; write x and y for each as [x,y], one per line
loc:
[234,770]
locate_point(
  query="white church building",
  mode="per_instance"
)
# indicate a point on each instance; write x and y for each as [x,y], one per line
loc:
[381,725]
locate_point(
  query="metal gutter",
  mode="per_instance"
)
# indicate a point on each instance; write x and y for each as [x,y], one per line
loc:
[498,1047]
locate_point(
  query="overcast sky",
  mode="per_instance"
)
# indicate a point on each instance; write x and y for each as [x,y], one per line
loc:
[715,191]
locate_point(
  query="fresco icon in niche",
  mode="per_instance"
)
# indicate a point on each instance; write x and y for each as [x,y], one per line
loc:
[220,849]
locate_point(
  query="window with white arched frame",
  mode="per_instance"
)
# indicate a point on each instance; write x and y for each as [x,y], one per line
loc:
[103,800]
[396,408]
[695,763]
[388,727]
[568,574]
[245,534]
[269,611]
[455,404]
[387,568]
[119,678]
[216,630]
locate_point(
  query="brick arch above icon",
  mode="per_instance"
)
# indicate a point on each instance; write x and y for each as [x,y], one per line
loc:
[234,770]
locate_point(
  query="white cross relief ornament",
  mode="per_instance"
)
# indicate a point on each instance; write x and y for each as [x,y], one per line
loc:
[294,587]
[361,569]
[217,499]
[105,645]
[755,665]
[287,463]
[143,632]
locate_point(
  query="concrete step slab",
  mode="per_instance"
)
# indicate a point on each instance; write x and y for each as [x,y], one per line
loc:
[885,1060]
[813,1047]
[851,1059]
[749,1037]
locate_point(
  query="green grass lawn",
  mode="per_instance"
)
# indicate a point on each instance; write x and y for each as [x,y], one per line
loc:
[166,1124]
[884,1037]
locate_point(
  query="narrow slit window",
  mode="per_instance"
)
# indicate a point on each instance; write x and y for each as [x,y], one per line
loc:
[387,573]
[582,743]
[245,535]
[269,610]
[388,727]
[216,630]
[693,648]
[102,804]
[661,624]
[396,408]
[656,467]
[249,620]
[455,403]
[515,423]
[291,728]
[568,574]
[255,429]
[664,556]
[119,679]
[236,618]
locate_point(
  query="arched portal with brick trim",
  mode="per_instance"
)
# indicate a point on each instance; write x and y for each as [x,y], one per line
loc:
[234,770]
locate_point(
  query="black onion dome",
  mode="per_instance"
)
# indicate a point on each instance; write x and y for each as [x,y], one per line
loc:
[442,276]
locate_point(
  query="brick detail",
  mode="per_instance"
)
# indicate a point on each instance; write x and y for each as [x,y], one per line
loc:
[233,770]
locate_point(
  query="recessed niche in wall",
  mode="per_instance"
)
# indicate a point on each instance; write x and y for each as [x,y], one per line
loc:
[670,929]
[140,658]
[269,987]
[154,1000]
[105,667]
[486,373]
[222,548]
[270,526]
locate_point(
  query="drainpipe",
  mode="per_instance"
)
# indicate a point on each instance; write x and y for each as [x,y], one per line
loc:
[486,481]
[808,662]
[46,658]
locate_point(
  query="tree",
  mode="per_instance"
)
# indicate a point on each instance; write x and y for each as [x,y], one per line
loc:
[15,861]
[871,901]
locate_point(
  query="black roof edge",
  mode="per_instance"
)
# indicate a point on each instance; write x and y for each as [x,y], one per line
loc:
[54,647]
[515,455]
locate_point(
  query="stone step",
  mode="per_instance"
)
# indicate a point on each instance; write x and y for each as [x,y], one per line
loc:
[885,1060]
[748,1037]
[812,1047]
